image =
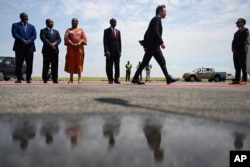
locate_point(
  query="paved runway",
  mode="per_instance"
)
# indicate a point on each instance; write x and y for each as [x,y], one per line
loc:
[98,124]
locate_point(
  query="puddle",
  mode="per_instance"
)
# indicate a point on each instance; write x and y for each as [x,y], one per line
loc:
[118,140]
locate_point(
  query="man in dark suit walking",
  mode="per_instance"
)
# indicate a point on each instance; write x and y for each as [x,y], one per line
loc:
[24,46]
[152,44]
[112,50]
[51,39]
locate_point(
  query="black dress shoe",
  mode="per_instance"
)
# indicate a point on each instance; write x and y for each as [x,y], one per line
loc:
[28,81]
[117,82]
[110,82]
[45,81]
[234,82]
[55,82]
[18,81]
[171,80]
[137,82]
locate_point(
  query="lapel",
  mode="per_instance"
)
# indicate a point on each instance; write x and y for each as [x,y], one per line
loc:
[22,27]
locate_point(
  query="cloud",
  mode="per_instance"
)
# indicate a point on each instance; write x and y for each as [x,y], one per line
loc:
[197,33]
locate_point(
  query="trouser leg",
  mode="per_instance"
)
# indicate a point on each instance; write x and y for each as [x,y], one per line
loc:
[236,60]
[147,57]
[109,68]
[54,67]
[19,58]
[162,62]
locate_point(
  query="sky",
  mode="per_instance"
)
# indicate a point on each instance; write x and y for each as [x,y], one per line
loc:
[197,33]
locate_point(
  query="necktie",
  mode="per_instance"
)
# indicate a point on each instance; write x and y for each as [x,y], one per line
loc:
[24,26]
[51,31]
[114,33]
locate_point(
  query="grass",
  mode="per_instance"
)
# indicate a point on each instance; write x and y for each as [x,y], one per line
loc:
[35,78]
[154,79]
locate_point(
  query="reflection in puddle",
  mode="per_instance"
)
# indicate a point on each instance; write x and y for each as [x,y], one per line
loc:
[112,140]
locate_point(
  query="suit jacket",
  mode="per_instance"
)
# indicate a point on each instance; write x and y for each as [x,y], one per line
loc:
[153,35]
[20,34]
[111,44]
[47,37]
[239,39]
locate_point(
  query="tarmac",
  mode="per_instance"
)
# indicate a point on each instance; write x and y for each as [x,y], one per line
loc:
[100,124]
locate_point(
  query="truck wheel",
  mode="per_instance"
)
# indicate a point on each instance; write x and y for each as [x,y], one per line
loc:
[192,78]
[217,78]
[6,79]
[1,76]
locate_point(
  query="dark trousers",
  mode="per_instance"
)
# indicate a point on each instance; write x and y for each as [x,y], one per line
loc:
[113,60]
[21,56]
[239,59]
[147,57]
[50,59]
[128,72]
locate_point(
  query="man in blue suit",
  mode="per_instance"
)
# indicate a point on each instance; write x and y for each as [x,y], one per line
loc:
[24,46]
[51,39]
[153,43]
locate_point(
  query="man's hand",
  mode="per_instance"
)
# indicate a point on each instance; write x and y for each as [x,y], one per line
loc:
[53,45]
[107,54]
[25,43]
[163,46]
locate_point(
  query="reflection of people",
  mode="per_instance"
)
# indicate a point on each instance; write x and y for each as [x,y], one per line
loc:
[24,34]
[74,131]
[48,129]
[152,43]
[51,39]
[148,70]
[153,135]
[23,132]
[140,74]
[128,67]
[74,39]
[112,51]
[111,128]
[238,142]
[239,52]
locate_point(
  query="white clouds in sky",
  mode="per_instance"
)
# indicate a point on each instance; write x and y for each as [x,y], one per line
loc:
[197,33]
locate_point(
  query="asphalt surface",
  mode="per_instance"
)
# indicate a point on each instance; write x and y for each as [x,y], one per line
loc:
[145,125]
[211,100]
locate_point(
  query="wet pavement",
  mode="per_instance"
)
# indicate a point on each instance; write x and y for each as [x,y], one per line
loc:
[96,125]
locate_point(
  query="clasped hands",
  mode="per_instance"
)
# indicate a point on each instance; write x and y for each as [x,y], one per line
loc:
[76,45]
[53,45]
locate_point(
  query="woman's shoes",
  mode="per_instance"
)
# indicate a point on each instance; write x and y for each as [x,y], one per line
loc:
[70,81]
[79,81]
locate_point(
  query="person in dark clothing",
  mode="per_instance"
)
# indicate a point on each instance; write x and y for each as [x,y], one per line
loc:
[112,51]
[51,39]
[153,43]
[239,52]
[24,34]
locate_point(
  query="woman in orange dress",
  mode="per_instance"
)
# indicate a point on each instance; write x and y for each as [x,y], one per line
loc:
[74,39]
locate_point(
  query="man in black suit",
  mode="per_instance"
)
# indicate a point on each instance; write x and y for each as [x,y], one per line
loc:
[112,50]
[51,39]
[239,51]
[152,44]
